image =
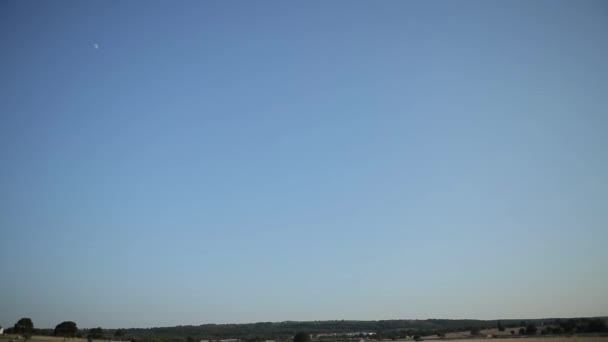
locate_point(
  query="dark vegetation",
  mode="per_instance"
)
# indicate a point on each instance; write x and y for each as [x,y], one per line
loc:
[66,329]
[301,337]
[322,331]
[96,334]
[24,327]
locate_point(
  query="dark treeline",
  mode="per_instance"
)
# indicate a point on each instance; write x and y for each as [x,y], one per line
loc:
[384,329]
[389,329]
[550,326]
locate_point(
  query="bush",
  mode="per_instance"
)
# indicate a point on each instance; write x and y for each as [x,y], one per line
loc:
[301,337]
[531,329]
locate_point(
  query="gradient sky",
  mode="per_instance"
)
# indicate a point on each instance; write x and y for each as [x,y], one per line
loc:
[241,161]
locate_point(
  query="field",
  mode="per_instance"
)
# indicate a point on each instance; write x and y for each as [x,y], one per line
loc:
[8,338]
[543,339]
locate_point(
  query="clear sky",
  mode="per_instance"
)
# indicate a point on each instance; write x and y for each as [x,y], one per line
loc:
[174,162]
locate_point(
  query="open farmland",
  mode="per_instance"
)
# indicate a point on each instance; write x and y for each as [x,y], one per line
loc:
[542,339]
[8,338]
[14,338]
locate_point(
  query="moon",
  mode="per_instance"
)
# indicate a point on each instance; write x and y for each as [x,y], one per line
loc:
[96,46]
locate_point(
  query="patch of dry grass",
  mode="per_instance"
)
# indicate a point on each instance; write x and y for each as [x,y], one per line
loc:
[542,339]
[40,339]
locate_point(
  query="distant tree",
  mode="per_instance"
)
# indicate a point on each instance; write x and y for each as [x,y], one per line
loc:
[189,339]
[522,331]
[67,329]
[95,334]
[417,338]
[475,331]
[512,332]
[301,337]
[568,326]
[596,325]
[500,326]
[119,333]
[531,329]
[24,325]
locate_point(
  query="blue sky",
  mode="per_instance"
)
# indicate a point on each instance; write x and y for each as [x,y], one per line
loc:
[235,161]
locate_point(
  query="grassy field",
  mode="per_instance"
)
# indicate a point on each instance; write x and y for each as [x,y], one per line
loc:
[466,336]
[547,339]
[7,338]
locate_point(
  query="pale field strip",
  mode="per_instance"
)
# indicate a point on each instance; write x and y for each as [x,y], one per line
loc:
[512,339]
[544,339]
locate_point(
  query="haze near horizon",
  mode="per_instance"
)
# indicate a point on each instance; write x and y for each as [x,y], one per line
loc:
[167,163]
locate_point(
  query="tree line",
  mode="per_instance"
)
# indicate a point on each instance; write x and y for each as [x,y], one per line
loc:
[67,329]
[255,332]
[25,328]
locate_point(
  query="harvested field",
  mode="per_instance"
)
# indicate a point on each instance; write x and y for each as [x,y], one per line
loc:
[539,339]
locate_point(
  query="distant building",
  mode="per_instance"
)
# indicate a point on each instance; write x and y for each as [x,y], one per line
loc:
[1,331]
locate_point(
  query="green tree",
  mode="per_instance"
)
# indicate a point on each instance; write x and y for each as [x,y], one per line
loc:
[475,331]
[67,329]
[24,325]
[500,326]
[596,325]
[301,337]
[95,334]
[189,339]
[417,338]
[531,329]
[119,333]
[568,326]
